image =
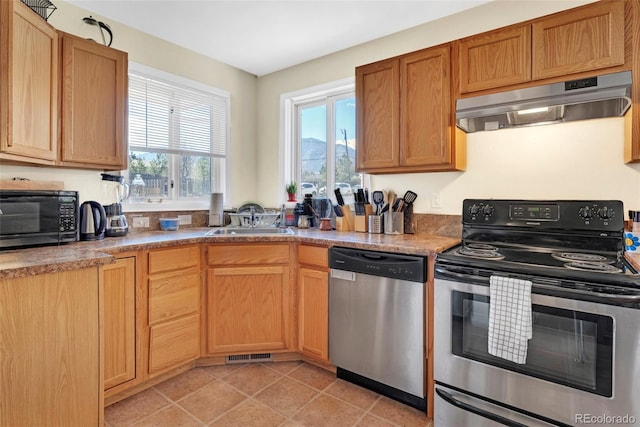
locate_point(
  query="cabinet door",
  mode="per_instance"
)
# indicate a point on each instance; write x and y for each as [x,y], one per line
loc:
[173,295]
[94,96]
[313,323]
[50,359]
[495,59]
[28,85]
[426,112]
[377,114]
[247,309]
[587,39]
[119,322]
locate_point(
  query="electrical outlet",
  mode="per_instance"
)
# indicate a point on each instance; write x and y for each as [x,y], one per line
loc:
[140,222]
[184,219]
[436,200]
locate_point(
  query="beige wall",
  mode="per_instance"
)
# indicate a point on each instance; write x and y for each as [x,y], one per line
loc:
[153,52]
[579,160]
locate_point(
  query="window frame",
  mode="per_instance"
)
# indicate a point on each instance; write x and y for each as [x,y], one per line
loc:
[184,203]
[290,105]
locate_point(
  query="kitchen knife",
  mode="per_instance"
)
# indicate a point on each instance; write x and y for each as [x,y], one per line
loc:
[339,198]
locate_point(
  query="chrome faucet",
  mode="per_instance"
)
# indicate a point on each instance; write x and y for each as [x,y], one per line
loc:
[252,223]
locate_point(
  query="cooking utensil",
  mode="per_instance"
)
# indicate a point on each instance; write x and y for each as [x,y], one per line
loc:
[378,199]
[337,210]
[409,197]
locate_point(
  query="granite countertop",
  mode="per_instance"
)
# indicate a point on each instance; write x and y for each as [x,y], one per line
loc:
[28,262]
[634,259]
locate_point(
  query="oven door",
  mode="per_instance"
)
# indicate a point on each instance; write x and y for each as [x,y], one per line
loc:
[581,360]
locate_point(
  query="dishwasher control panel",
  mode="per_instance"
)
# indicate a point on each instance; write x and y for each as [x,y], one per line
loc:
[384,264]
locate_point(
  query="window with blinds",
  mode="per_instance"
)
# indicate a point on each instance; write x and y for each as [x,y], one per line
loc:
[178,139]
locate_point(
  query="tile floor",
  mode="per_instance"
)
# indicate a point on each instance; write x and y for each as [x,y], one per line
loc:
[264,394]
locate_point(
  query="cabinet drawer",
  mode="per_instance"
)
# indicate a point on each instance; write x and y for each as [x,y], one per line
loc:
[161,260]
[173,296]
[247,254]
[174,343]
[313,255]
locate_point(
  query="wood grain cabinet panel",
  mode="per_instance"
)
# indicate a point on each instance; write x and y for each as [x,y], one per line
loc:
[173,295]
[495,59]
[313,321]
[174,343]
[173,317]
[94,100]
[247,309]
[120,336]
[377,115]
[405,115]
[51,351]
[587,39]
[28,85]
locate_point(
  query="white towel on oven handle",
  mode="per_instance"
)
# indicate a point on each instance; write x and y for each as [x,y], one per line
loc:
[510,323]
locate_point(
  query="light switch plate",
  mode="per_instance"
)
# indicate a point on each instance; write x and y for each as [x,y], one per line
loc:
[184,219]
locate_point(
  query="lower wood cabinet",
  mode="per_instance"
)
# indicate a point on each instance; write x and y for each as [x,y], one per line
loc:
[50,351]
[248,299]
[313,302]
[174,282]
[119,281]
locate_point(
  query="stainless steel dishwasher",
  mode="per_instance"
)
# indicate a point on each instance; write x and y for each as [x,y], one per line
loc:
[376,321]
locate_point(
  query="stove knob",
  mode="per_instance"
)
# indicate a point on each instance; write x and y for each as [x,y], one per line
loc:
[606,213]
[474,209]
[586,213]
[487,210]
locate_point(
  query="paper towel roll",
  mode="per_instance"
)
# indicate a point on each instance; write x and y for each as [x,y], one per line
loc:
[216,213]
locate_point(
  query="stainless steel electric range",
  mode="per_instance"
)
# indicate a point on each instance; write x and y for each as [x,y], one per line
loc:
[583,359]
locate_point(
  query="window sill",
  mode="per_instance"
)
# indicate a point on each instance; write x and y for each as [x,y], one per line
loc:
[165,206]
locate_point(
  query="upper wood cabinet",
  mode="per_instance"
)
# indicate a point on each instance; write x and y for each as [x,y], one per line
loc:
[405,114]
[94,104]
[582,40]
[28,85]
[495,59]
[587,39]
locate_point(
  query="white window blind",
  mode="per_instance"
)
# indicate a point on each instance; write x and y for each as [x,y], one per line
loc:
[167,118]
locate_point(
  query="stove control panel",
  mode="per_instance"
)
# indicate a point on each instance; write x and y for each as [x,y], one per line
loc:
[599,215]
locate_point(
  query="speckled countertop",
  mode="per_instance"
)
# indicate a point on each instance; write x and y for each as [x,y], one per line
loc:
[634,259]
[28,262]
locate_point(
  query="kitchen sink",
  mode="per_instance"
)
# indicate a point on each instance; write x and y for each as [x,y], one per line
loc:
[244,231]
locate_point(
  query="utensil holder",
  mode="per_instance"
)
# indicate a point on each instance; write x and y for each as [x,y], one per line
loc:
[346,221]
[375,224]
[409,219]
[394,223]
[361,223]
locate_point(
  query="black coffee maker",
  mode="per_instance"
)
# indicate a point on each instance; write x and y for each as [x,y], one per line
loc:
[116,221]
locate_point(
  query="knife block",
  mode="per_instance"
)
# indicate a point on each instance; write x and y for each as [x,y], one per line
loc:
[346,221]
[361,222]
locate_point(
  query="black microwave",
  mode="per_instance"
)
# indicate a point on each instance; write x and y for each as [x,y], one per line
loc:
[37,218]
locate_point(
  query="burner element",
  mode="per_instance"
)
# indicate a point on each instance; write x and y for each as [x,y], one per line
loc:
[581,257]
[480,246]
[593,266]
[482,251]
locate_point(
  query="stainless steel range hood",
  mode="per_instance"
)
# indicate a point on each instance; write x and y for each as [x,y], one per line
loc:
[606,95]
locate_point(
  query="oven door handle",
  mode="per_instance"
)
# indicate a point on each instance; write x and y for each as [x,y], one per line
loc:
[615,298]
[481,412]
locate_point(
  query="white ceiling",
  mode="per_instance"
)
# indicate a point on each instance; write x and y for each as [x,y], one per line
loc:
[263,36]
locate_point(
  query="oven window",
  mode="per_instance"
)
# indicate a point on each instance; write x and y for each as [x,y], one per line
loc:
[568,347]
